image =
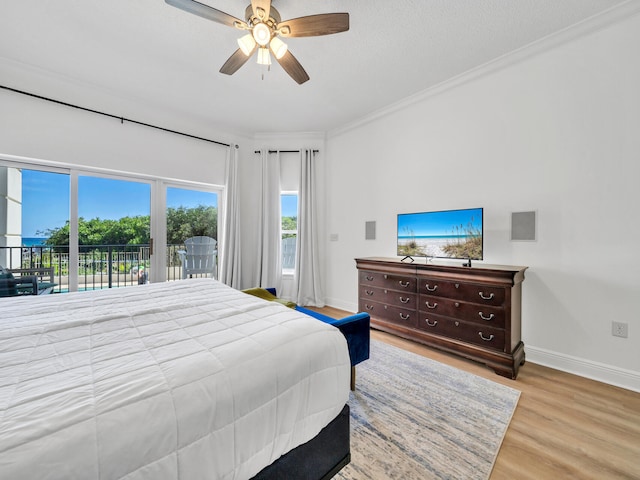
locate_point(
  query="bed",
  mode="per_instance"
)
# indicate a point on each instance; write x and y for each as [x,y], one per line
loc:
[178,380]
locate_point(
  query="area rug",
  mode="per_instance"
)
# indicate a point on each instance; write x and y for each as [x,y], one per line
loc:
[415,418]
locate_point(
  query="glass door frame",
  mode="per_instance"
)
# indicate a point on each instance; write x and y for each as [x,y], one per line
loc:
[24,163]
[158,228]
[74,253]
[160,247]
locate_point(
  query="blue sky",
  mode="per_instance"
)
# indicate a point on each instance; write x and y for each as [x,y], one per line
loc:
[289,205]
[438,223]
[45,199]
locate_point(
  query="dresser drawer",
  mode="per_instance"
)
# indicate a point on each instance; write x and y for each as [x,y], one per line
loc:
[485,336]
[471,292]
[390,313]
[484,314]
[391,297]
[390,282]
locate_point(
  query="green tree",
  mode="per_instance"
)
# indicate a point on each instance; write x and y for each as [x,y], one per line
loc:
[289,223]
[125,231]
[185,222]
[182,223]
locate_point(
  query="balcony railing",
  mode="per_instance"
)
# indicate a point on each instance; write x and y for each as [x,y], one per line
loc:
[99,266]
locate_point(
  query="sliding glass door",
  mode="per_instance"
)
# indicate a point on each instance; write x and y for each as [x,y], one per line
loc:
[96,231]
[114,232]
[190,213]
[34,216]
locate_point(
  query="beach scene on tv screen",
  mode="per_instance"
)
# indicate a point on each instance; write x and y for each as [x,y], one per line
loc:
[447,234]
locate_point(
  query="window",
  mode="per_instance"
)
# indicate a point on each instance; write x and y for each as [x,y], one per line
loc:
[95,230]
[289,216]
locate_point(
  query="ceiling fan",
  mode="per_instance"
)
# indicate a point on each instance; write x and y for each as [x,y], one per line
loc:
[265,27]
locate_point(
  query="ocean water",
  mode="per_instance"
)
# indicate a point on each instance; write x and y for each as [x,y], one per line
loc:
[32,241]
[406,238]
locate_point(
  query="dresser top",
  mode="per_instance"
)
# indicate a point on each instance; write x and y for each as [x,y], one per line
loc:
[435,265]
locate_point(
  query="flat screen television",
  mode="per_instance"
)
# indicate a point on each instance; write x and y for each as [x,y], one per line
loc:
[453,234]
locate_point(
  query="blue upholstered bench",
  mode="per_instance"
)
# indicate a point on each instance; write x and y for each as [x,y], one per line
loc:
[355,328]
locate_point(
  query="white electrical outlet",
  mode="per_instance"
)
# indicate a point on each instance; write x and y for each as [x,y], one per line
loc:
[620,329]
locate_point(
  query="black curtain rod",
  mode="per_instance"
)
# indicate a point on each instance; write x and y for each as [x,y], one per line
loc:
[284,151]
[122,119]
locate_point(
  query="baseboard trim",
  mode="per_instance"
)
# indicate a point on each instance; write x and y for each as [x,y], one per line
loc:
[616,376]
[341,305]
[601,372]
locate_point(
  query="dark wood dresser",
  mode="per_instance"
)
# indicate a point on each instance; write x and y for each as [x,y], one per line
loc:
[470,311]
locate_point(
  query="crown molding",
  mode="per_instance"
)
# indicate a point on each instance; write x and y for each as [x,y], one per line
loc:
[584,28]
[290,136]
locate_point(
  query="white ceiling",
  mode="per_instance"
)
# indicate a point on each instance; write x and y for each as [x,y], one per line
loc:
[147,52]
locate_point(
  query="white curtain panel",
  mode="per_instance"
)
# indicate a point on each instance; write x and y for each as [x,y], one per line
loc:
[269,256]
[230,258]
[307,273]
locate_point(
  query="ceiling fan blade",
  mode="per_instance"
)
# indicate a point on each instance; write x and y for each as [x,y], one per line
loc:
[235,61]
[264,5]
[205,11]
[314,25]
[292,66]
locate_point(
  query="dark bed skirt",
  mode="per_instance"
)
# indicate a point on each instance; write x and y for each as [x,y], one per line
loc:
[319,459]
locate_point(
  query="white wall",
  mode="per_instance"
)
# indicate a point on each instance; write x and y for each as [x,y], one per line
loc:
[556,133]
[35,128]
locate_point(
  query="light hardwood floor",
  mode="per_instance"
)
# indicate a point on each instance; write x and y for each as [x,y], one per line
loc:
[564,427]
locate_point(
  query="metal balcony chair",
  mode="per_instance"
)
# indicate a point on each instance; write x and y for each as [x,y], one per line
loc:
[200,257]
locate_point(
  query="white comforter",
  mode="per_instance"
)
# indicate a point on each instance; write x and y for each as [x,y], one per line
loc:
[182,380]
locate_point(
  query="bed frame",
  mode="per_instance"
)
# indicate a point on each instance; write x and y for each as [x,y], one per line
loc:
[320,458]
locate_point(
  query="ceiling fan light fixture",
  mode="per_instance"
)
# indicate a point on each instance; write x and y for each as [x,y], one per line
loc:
[265,26]
[247,44]
[261,34]
[263,56]
[278,47]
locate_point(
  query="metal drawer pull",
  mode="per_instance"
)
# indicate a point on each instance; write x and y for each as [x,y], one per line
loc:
[403,316]
[368,307]
[485,298]
[403,284]
[435,322]
[432,289]
[486,339]
[369,278]
[490,317]
[369,292]
[405,300]
[431,306]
